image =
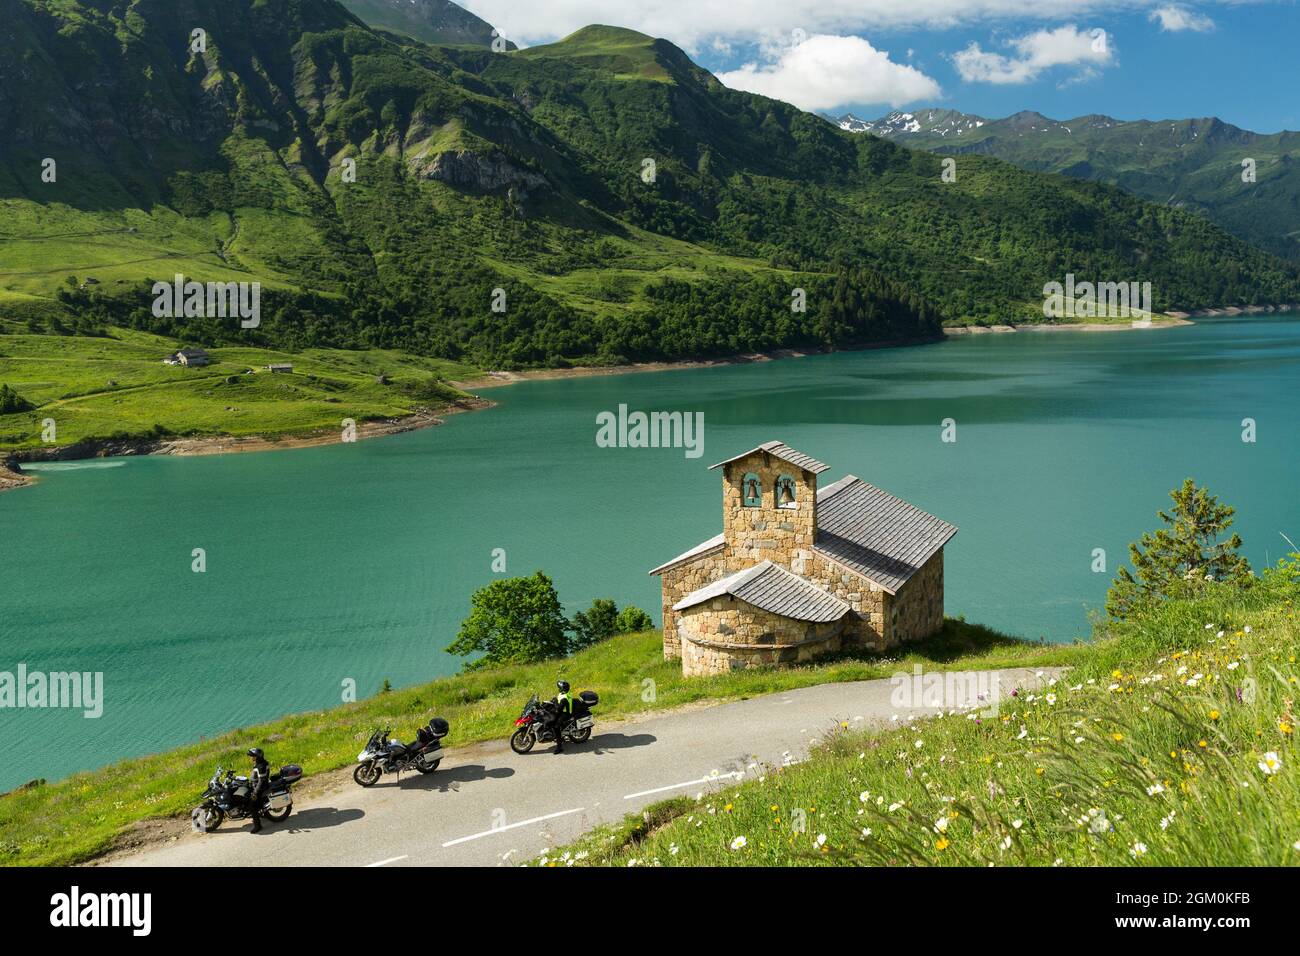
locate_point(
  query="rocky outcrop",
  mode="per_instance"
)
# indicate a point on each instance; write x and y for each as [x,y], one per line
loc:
[486,172]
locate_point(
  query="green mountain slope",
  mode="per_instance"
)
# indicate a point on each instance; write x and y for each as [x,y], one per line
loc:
[524,172]
[439,22]
[1193,164]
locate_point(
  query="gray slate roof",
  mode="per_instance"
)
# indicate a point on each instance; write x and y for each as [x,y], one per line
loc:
[879,536]
[772,588]
[785,453]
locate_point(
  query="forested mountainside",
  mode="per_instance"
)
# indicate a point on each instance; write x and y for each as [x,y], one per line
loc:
[1193,164]
[626,203]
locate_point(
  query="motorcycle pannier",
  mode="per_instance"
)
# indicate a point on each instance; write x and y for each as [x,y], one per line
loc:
[439,727]
[589,698]
[291,773]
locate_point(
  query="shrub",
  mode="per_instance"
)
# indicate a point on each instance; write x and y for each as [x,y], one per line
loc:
[597,623]
[632,619]
[11,402]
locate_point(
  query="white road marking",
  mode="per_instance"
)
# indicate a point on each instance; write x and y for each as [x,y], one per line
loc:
[391,859]
[689,783]
[511,826]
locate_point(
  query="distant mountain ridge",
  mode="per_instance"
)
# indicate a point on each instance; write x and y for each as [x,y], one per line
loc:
[439,22]
[1190,163]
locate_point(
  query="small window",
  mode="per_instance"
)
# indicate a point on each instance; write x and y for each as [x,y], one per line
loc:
[785,495]
[751,491]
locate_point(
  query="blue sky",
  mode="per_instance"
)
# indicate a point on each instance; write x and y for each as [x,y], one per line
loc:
[1239,61]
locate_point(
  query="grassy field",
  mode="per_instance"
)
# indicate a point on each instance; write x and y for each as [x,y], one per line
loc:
[79,817]
[118,386]
[44,244]
[1171,743]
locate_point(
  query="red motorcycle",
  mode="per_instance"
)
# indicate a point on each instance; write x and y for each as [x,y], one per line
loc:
[537,722]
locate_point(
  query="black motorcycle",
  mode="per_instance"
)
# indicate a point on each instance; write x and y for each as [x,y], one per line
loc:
[383,755]
[537,722]
[227,798]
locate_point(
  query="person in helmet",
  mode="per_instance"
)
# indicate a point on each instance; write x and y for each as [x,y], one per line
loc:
[563,713]
[258,778]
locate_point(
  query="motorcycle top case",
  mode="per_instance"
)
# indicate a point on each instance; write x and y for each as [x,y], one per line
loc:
[291,773]
[439,727]
[589,698]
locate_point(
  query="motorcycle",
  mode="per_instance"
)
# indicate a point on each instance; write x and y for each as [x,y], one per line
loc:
[383,755]
[226,798]
[537,722]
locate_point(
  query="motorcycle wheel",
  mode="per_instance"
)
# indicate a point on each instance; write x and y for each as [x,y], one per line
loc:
[206,819]
[424,767]
[581,736]
[521,741]
[367,774]
[279,816]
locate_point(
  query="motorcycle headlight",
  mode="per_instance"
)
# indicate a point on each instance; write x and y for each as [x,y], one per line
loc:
[363,756]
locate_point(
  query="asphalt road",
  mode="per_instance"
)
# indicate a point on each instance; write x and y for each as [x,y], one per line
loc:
[487,806]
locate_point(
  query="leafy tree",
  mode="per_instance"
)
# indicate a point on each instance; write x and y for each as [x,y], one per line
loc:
[513,621]
[1178,560]
[597,623]
[632,619]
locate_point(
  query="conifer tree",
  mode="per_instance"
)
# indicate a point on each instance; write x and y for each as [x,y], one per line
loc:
[1179,560]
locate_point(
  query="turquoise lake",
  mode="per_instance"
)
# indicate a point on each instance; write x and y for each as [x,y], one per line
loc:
[358,561]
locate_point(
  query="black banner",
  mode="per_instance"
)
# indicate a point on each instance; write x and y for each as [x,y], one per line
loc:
[140,906]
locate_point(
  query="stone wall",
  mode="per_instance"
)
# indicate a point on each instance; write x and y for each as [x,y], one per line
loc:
[916,611]
[679,581]
[866,626]
[728,634]
[766,533]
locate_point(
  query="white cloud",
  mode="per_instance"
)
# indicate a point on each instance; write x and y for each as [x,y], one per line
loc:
[693,23]
[1084,51]
[824,72]
[1174,19]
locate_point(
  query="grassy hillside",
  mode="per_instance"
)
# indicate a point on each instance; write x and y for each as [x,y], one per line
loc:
[78,817]
[1171,742]
[1192,164]
[116,385]
[522,171]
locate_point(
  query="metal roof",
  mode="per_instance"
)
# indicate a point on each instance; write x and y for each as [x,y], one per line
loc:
[785,453]
[772,588]
[870,531]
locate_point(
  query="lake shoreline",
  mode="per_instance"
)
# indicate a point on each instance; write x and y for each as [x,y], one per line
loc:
[497,379]
[1168,321]
[12,476]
